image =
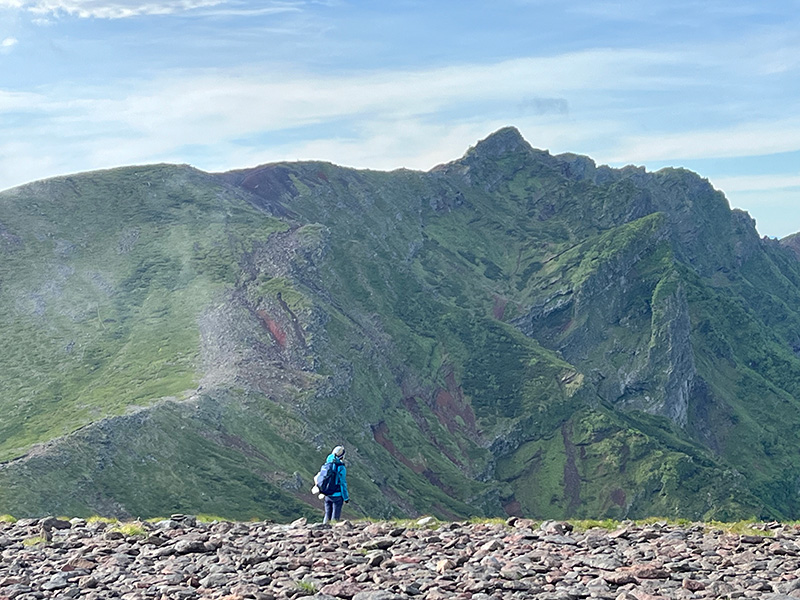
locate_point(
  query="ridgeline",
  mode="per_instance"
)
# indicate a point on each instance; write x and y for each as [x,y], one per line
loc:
[512,333]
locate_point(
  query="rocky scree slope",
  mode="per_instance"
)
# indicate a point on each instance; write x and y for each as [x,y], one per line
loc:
[512,333]
[181,558]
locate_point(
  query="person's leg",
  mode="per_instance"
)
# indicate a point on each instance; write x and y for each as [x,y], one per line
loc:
[328,502]
[337,502]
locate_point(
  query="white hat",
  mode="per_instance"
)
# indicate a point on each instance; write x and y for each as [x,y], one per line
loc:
[338,452]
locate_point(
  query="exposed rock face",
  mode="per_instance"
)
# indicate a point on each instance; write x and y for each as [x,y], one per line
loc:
[180,558]
[670,352]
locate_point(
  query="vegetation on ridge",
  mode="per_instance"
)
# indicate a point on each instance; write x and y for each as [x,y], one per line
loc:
[510,334]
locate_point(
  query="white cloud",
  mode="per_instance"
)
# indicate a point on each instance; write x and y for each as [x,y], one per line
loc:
[8,43]
[388,114]
[230,120]
[13,101]
[411,118]
[750,183]
[746,139]
[226,105]
[109,9]
[233,11]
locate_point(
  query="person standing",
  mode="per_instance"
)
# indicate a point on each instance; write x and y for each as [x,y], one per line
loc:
[337,495]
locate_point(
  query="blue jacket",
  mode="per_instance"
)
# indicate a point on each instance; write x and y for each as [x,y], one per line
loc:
[342,471]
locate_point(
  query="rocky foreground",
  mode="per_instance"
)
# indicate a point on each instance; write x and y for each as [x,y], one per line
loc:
[182,559]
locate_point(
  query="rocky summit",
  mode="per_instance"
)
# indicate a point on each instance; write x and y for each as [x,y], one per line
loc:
[513,333]
[182,559]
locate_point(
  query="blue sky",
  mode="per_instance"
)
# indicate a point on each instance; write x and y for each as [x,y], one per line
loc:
[710,85]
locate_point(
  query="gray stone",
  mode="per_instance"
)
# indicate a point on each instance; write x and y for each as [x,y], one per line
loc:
[302,522]
[168,524]
[189,546]
[377,595]
[561,540]
[380,543]
[216,580]
[604,563]
[376,557]
[53,523]
[57,582]
[411,589]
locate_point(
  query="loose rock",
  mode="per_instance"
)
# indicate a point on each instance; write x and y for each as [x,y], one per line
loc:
[181,559]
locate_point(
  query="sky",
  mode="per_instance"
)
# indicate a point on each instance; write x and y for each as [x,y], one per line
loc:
[711,85]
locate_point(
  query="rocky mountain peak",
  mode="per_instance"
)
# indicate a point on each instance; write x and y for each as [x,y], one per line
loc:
[503,141]
[792,242]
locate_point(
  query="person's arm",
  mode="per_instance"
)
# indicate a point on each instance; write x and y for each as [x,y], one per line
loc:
[343,483]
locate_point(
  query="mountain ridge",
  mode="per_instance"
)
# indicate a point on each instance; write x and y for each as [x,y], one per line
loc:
[509,333]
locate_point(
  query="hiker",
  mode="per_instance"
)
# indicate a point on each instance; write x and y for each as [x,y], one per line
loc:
[332,483]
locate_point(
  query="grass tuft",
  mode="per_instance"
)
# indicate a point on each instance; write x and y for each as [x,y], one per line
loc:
[306,587]
[132,529]
[99,519]
[34,541]
[587,524]
[487,521]
[212,519]
[750,527]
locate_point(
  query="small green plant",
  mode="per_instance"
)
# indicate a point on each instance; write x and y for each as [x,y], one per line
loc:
[34,541]
[132,529]
[587,524]
[7,519]
[154,519]
[673,522]
[742,528]
[99,519]
[211,519]
[306,587]
[487,521]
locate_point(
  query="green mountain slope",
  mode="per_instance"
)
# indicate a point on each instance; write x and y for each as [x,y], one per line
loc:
[510,333]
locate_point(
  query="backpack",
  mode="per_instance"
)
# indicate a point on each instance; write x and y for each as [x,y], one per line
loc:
[328,479]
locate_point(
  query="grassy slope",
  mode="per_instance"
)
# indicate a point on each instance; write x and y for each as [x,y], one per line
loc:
[225,455]
[100,299]
[406,311]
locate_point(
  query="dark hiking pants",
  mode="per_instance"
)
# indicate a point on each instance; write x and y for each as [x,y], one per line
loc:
[333,508]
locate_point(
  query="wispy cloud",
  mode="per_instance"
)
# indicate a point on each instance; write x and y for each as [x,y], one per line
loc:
[8,43]
[749,183]
[676,12]
[224,10]
[109,9]
[242,112]
[747,139]
[17,101]
[382,119]
[216,105]
[625,82]
[240,103]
